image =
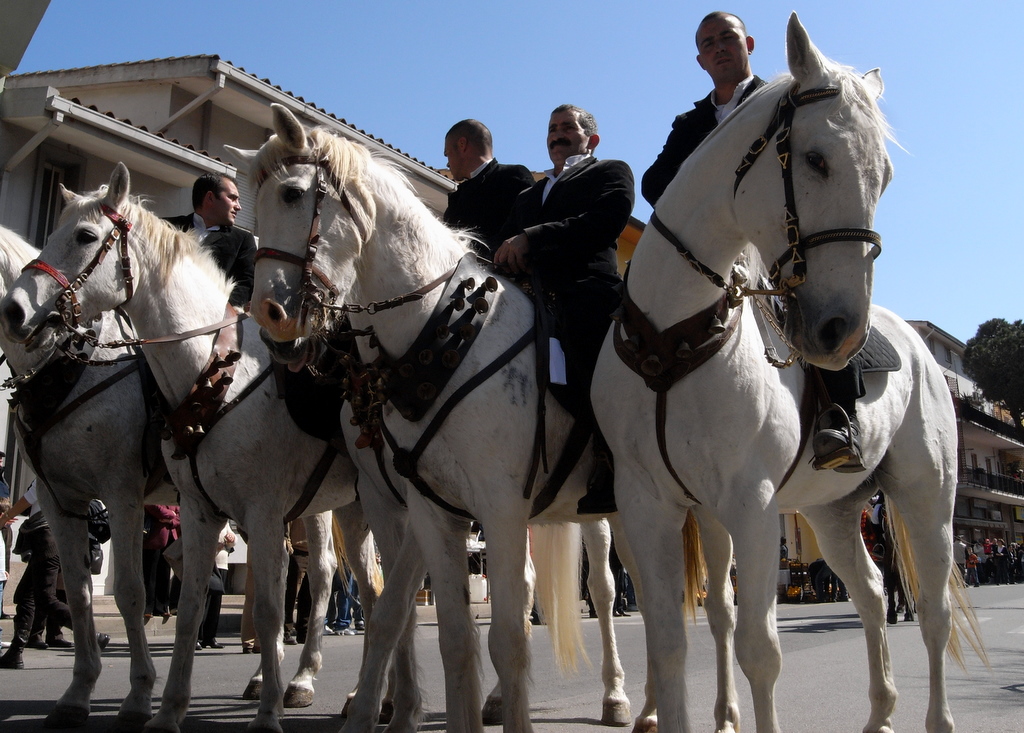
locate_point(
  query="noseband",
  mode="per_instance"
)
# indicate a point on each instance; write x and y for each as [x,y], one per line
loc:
[780,127]
[67,302]
[309,291]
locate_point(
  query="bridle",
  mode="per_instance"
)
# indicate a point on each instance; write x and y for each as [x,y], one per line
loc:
[311,294]
[780,126]
[67,302]
[309,291]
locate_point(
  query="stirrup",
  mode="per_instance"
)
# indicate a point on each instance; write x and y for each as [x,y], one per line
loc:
[835,423]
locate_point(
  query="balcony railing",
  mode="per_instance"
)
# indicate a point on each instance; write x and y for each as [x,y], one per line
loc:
[993,481]
[973,414]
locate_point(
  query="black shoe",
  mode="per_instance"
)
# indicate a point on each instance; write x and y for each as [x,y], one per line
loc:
[37,644]
[199,647]
[600,496]
[61,643]
[837,442]
[102,639]
[12,659]
[212,644]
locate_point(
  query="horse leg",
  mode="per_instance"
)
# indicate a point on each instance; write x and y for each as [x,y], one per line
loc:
[393,615]
[837,527]
[598,538]
[930,558]
[660,584]
[200,529]
[322,565]
[442,539]
[721,615]
[269,566]
[492,713]
[72,709]
[130,594]
[757,638]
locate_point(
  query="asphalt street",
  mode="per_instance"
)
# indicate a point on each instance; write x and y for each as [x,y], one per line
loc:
[823,686]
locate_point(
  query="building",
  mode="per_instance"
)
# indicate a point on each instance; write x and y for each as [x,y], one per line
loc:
[990,454]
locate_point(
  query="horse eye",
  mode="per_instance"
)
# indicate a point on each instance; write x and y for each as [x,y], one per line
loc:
[85,236]
[291,195]
[817,161]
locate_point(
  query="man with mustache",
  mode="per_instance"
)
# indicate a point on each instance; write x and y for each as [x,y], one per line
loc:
[564,231]
[723,50]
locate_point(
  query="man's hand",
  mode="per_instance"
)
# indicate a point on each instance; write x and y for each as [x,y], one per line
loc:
[513,254]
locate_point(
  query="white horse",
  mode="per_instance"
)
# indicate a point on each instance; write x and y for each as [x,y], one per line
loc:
[731,429]
[93,451]
[252,466]
[377,241]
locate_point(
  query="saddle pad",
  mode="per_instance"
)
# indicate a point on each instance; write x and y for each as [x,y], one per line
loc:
[315,407]
[878,354]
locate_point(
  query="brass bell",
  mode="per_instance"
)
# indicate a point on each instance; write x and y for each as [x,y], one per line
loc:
[373,341]
[426,356]
[426,391]
[199,430]
[480,305]
[450,359]
[442,332]
[619,314]
[220,364]
[188,430]
[406,412]
[225,381]
[166,434]
[233,356]
[467,332]
[716,327]
[469,283]
[459,303]
[178,455]
[632,343]
[684,351]
[196,407]
[651,366]
[406,370]
[491,284]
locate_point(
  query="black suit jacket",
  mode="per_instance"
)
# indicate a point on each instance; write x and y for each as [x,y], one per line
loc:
[483,203]
[573,235]
[234,249]
[688,131]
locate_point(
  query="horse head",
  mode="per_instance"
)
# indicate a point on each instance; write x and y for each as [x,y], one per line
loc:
[68,282]
[315,217]
[830,143]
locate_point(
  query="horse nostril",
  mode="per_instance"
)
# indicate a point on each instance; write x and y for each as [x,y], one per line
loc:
[14,316]
[833,333]
[274,311]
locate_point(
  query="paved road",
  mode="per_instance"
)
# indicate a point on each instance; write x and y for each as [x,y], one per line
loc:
[822,689]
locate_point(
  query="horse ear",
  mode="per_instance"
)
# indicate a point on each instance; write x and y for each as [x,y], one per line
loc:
[117,189]
[873,83]
[241,158]
[67,195]
[288,128]
[806,63]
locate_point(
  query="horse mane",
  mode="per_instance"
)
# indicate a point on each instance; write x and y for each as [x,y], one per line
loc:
[14,253]
[378,186]
[166,245]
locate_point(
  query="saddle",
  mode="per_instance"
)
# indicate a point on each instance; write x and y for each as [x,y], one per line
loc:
[878,354]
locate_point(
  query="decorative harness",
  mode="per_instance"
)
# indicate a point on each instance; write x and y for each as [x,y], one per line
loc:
[190,422]
[663,358]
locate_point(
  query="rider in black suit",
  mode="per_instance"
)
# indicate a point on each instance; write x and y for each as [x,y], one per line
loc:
[215,203]
[565,230]
[484,198]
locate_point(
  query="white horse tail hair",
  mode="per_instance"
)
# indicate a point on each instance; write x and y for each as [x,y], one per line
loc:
[696,569]
[965,621]
[557,558]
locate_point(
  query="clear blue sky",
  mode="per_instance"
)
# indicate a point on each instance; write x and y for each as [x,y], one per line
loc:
[406,71]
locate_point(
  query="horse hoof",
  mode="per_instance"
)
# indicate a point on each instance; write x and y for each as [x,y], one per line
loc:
[66,716]
[492,713]
[298,697]
[646,725]
[252,692]
[129,722]
[387,712]
[616,713]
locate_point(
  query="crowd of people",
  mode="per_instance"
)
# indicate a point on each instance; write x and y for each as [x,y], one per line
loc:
[989,561]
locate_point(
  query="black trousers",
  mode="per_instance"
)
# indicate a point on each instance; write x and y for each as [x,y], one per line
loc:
[36,596]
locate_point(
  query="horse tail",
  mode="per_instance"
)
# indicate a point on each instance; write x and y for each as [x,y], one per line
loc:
[965,621]
[696,569]
[557,558]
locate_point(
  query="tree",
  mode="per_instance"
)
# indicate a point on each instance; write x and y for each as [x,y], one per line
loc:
[994,358]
